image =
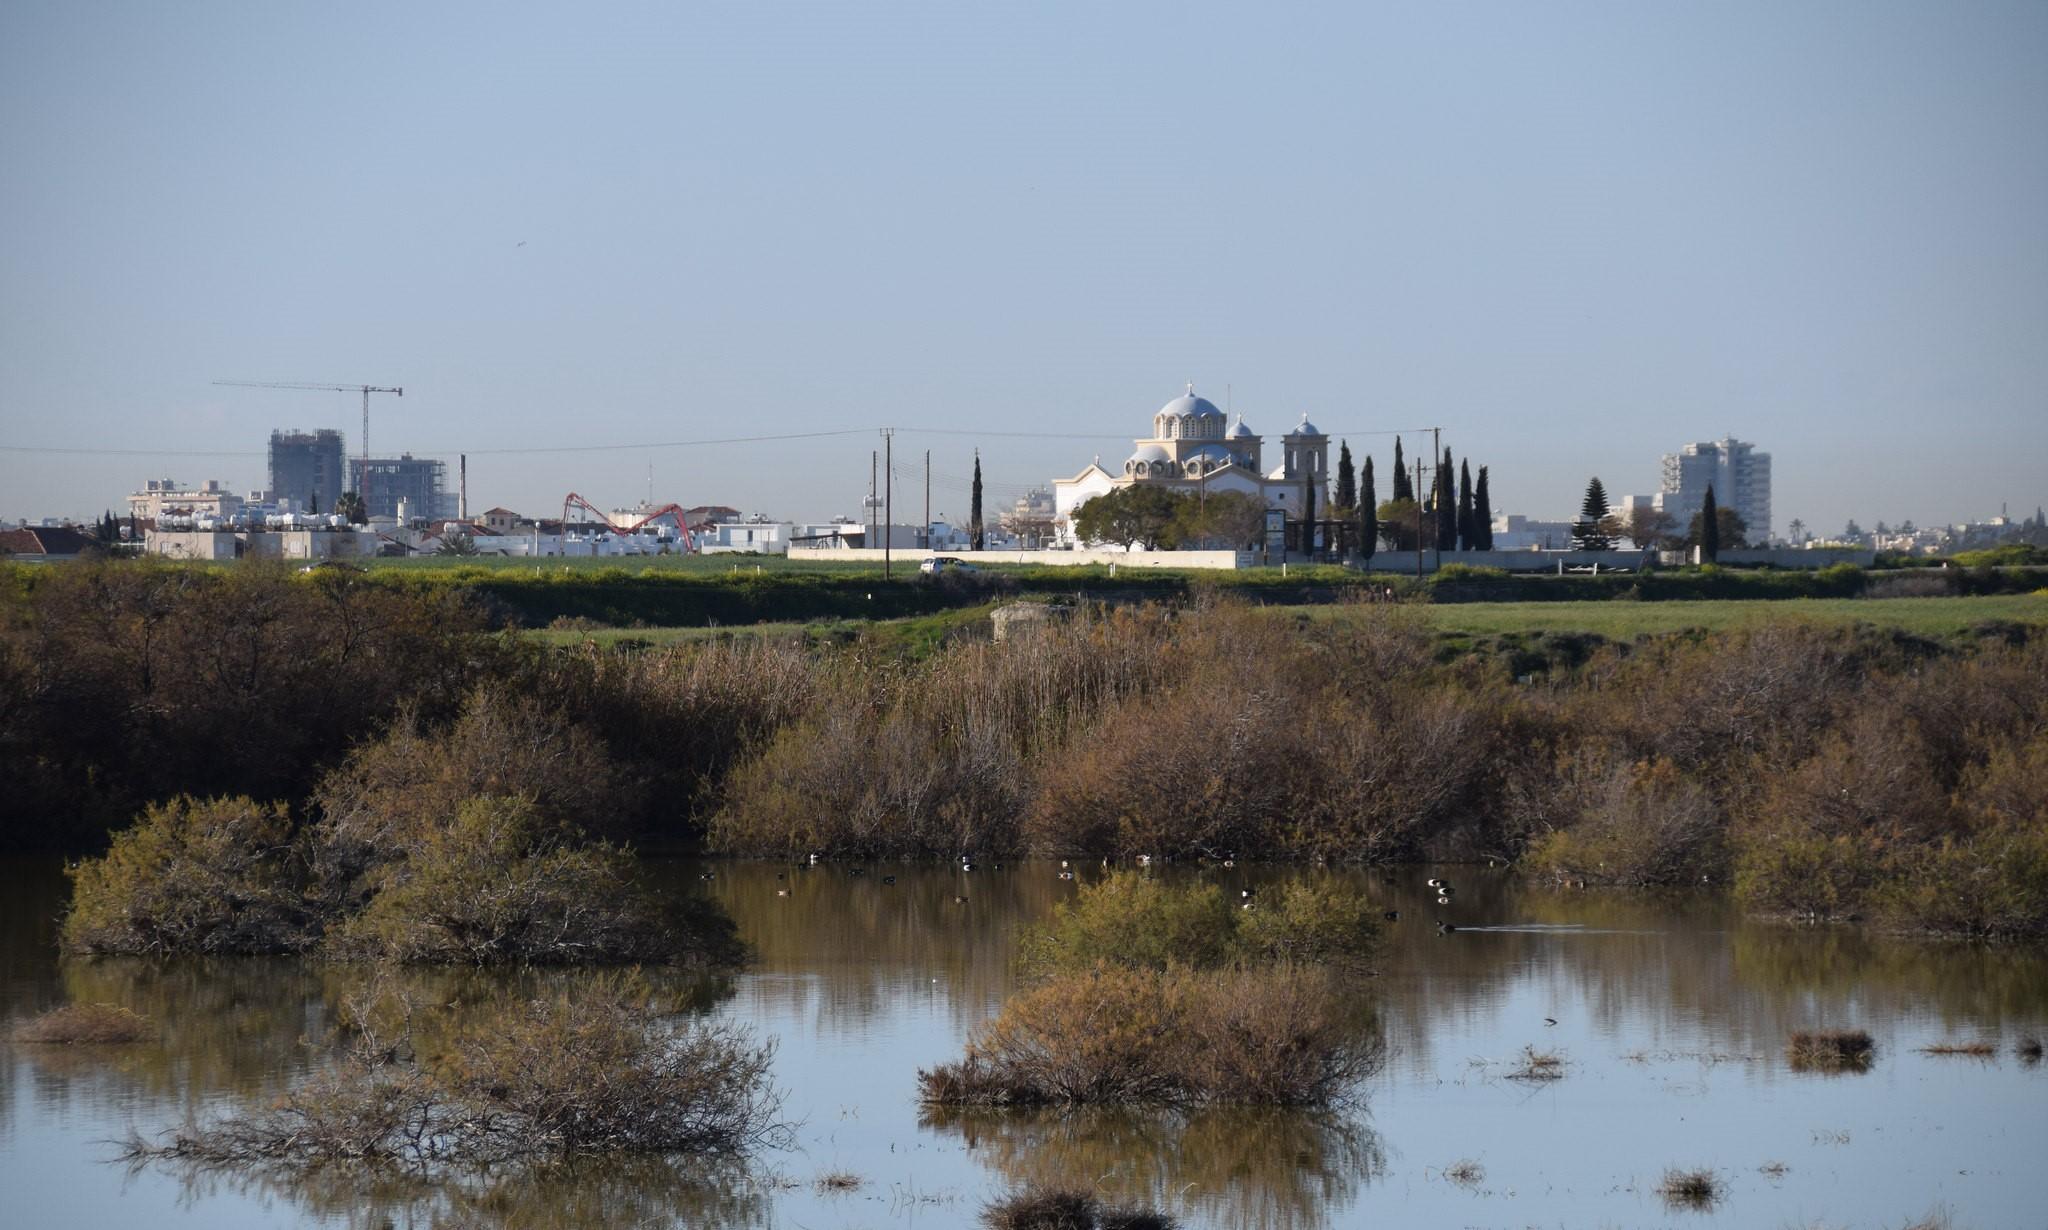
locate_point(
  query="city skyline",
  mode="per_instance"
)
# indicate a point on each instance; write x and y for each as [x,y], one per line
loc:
[1574,237]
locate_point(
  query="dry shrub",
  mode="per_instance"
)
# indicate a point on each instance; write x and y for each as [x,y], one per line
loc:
[677,720]
[495,883]
[594,1070]
[195,876]
[1979,1049]
[1465,1173]
[1167,1038]
[1311,924]
[1690,1189]
[415,776]
[1830,1050]
[86,1025]
[1186,772]
[1065,1209]
[1129,918]
[932,758]
[1539,1066]
[1636,825]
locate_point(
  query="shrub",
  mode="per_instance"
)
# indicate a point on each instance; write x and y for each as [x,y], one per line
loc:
[86,1024]
[390,790]
[1132,919]
[495,883]
[588,1070]
[1167,1038]
[1063,1209]
[1636,825]
[1690,1189]
[1128,918]
[195,876]
[1830,1050]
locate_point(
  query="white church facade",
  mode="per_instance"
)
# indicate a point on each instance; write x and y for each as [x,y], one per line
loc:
[1195,450]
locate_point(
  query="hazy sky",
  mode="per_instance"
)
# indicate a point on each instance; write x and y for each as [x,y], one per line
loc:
[1575,235]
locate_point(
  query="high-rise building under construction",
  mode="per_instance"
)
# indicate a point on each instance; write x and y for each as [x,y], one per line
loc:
[418,483]
[306,468]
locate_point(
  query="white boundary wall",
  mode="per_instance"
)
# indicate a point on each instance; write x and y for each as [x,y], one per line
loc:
[912,557]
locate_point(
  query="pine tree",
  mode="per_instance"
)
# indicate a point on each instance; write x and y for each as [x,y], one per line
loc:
[1404,489]
[1710,527]
[1466,538]
[1368,516]
[1482,511]
[1446,498]
[974,531]
[1589,533]
[1347,480]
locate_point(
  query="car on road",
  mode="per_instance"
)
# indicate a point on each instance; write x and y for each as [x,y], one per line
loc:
[934,564]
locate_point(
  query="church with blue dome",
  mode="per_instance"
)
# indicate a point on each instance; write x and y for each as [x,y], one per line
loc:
[1196,448]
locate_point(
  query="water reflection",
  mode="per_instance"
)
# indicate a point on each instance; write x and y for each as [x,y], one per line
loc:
[639,1191]
[1271,1169]
[861,981]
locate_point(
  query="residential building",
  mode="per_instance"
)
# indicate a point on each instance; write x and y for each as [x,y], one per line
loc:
[35,544]
[1514,532]
[308,470]
[1739,475]
[167,497]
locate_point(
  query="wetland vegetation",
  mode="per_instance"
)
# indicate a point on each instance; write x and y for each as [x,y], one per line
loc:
[407,754]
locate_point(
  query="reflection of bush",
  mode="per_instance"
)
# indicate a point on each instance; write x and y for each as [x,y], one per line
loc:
[1236,1166]
[1137,1037]
[634,1191]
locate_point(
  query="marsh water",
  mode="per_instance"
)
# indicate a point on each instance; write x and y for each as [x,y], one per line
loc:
[1670,1015]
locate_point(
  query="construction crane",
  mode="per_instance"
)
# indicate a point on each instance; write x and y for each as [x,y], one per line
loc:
[687,539]
[364,389]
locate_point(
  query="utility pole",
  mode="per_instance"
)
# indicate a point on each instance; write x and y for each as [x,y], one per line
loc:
[872,473]
[1418,519]
[1436,454]
[927,499]
[888,490]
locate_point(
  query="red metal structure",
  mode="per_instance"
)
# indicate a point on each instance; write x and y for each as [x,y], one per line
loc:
[688,540]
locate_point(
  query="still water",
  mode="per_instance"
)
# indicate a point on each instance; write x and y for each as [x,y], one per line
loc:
[1670,1014]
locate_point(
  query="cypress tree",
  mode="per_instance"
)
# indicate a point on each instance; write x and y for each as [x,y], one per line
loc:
[1466,537]
[1447,505]
[1710,527]
[1347,480]
[1482,513]
[1308,521]
[1587,533]
[1368,516]
[1404,488]
[974,533]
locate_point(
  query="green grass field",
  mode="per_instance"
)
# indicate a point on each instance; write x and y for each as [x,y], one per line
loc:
[1625,620]
[1613,620]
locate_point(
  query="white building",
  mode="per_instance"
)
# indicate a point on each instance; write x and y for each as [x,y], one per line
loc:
[165,497]
[1193,450]
[1739,475]
[756,535]
[1514,532]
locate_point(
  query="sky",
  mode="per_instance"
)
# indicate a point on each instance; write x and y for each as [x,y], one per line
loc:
[591,240]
